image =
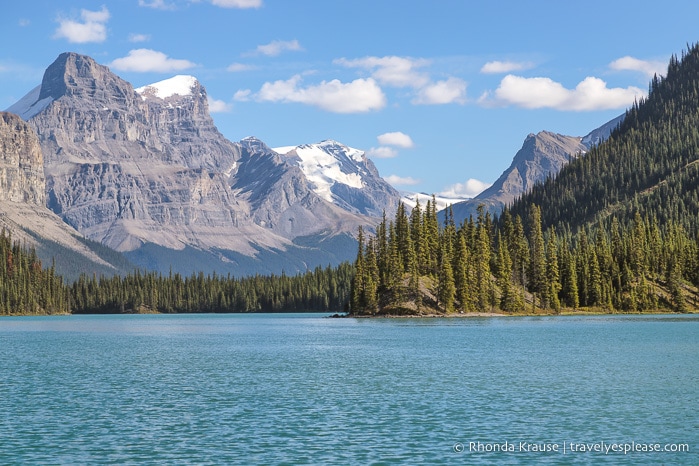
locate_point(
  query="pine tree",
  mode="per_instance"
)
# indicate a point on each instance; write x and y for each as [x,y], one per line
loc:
[553,283]
[537,267]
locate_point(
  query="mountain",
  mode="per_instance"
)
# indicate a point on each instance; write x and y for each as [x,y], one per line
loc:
[146,172]
[616,230]
[542,155]
[23,211]
[410,200]
[648,166]
[343,176]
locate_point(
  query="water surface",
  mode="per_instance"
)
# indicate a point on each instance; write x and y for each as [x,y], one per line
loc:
[303,389]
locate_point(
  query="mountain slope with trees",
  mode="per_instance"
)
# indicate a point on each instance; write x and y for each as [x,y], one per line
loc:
[616,230]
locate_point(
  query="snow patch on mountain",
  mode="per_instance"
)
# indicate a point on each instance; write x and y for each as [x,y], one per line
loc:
[410,200]
[326,164]
[181,85]
[30,105]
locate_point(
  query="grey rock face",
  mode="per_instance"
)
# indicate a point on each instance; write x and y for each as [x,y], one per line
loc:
[23,211]
[126,169]
[345,177]
[541,155]
[281,198]
[21,162]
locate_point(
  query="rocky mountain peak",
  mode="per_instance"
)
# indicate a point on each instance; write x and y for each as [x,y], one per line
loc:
[72,74]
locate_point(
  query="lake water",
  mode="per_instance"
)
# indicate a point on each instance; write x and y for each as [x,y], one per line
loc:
[303,389]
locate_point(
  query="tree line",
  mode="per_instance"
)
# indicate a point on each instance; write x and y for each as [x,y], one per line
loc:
[514,265]
[26,287]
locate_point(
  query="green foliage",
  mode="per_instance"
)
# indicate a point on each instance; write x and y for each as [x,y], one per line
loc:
[323,289]
[616,230]
[25,286]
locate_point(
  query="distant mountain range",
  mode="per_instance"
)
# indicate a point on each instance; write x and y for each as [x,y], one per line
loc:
[145,172]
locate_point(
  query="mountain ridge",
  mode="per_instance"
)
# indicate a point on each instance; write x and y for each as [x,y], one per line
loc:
[542,155]
[130,167]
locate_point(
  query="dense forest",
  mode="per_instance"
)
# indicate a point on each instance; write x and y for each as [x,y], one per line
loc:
[25,286]
[415,266]
[28,288]
[615,230]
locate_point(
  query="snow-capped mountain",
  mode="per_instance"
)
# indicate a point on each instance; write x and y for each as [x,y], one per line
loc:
[344,176]
[181,85]
[146,172]
[410,199]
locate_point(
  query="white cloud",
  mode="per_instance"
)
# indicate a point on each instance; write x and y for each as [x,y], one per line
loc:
[392,70]
[451,90]
[468,189]
[649,68]
[406,72]
[238,67]
[401,180]
[382,152]
[139,37]
[92,28]
[590,94]
[276,47]
[396,138]
[24,22]
[496,67]
[147,60]
[358,96]
[237,3]
[243,95]
[218,106]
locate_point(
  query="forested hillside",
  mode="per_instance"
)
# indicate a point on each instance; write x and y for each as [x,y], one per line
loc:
[26,287]
[647,166]
[616,230]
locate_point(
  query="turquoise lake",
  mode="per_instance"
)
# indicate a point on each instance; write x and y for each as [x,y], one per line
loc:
[304,389]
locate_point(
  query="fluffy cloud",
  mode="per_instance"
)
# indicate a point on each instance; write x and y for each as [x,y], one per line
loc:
[276,47]
[469,189]
[397,139]
[360,95]
[382,152]
[407,72]
[649,68]
[237,3]
[452,90]
[590,94]
[496,67]
[218,106]
[243,95]
[392,70]
[401,180]
[92,28]
[147,60]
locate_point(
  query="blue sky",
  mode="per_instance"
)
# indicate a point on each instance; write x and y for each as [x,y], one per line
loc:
[439,93]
